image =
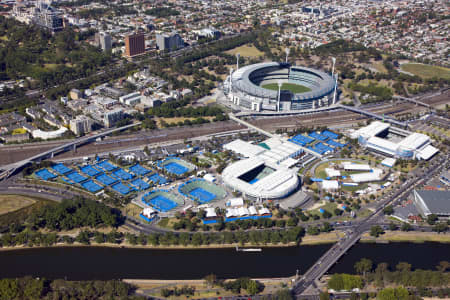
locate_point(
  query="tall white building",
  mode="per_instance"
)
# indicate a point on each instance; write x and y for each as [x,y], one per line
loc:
[81,125]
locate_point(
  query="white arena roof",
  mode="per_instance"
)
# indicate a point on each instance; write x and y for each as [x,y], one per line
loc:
[244,148]
[414,141]
[372,129]
[427,152]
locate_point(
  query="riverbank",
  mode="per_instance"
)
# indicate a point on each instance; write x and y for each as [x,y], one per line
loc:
[153,287]
[410,236]
[308,240]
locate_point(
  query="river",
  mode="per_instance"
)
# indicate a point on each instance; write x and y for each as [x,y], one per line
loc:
[77,263]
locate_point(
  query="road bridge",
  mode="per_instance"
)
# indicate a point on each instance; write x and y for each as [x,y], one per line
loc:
[373,115]
[10,169]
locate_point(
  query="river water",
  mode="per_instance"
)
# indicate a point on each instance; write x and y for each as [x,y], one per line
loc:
[77,263]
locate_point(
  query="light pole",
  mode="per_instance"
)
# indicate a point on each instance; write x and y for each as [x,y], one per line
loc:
[279,94]
[335,88]
[231,73]
[237,61]
[332,69]
[287,50]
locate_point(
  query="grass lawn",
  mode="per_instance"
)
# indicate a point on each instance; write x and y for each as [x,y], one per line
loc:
[380,67]
[19,131]
[427,71]
[294,88]
[246,51]
[10,203]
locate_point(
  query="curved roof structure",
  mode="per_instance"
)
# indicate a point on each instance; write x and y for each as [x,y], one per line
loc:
[320,82]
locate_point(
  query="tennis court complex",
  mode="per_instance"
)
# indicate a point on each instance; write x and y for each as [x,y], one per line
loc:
[45,174]
[105,179]
[90,170]
[139,170]
[61,169]
[161,200]
[91,186]
[121,188]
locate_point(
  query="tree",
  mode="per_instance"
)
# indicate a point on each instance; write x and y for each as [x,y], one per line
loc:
[388,210]
[399,293]
[284,294]
[252,287]
[376,230]
[392,226]
[440,227]
[210,280]
[431,219]
[363,266]
[406,227]
[324,296]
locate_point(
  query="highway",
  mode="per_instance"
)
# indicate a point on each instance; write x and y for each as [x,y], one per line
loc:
[353,235]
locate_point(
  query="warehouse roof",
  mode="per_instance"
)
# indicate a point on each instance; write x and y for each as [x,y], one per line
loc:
[437,202]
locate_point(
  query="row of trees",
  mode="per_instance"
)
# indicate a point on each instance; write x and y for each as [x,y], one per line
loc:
[32,238]
[31,288]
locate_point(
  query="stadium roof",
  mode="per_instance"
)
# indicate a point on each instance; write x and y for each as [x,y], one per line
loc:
[244,148]
[372,129]
[437,202]
[414,141]
[241,81]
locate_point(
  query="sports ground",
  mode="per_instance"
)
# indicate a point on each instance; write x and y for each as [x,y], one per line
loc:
[294,88]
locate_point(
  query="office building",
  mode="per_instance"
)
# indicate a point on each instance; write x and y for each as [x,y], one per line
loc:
[110,118]
[103,40]
[134,44]
[169,42]
[81,125]
[47,17]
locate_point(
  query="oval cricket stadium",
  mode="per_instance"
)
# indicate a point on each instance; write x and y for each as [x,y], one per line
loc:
[280,87]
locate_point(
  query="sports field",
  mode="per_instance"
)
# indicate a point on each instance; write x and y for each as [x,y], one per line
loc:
[9,203]
[427,71]
[294,88]
[246,51]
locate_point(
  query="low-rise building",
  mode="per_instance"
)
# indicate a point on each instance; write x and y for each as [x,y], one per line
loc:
[433,202]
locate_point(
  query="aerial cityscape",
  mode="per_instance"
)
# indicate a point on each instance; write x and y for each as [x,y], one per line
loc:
[205,149]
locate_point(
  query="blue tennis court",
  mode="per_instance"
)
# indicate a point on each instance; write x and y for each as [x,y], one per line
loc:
[140,184]
[301,140]
[61,169]
[202,195]
[91,186]
[121,188]
[335,144]
[105,179]
[175,168]
[139,170]
[317,136]
[45,174]
[162,203]
[90,170]
[329,134]
[76,177]
[105,165]
[120,173]
[157,179]
[67,180]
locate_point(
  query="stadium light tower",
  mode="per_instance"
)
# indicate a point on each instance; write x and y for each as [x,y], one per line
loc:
[237,61]
[335,88]
[332,68]
[231,73]
[280,83]
[287,50]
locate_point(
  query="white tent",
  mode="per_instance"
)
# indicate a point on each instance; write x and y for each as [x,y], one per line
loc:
[235,202]
[210,212]
[330,184]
